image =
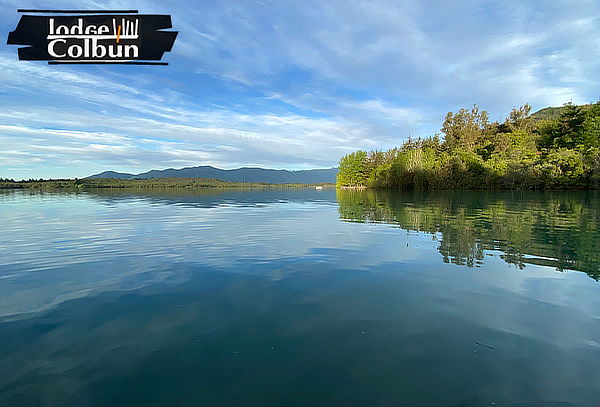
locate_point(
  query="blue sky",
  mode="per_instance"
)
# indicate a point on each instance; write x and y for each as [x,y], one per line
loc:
[290,84]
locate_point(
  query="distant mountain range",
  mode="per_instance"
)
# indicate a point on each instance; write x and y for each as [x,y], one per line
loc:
[245,174]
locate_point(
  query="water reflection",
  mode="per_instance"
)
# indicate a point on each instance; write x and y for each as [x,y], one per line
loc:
[556,229]
[267,298]
[215,197]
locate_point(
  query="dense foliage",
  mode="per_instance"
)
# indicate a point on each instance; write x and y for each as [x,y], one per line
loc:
[550,149]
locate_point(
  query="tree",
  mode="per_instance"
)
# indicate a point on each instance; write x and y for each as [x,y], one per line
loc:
[521,152]
[353,169]
[519,119]
[465,128]
[569,130]
[590,134]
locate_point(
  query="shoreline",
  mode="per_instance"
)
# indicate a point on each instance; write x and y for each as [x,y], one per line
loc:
[149,183]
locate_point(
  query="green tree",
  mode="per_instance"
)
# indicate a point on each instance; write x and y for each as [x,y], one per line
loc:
[590,133]
[465,129]
[522,152]
[519,119]
[353,169]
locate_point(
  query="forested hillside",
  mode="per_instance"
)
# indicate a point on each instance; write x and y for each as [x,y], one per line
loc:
[550,149]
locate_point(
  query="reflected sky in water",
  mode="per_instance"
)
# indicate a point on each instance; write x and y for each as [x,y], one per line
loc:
[299,297]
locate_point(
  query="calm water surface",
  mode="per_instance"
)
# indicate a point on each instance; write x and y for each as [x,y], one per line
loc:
[300,298]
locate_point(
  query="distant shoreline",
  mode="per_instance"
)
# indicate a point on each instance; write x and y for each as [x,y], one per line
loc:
[206,183]
[148,183]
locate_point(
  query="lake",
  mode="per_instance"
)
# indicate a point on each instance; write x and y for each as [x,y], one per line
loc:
[299,297]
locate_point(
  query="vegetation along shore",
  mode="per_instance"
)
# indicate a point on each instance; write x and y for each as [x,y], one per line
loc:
[149,183]
[554,148]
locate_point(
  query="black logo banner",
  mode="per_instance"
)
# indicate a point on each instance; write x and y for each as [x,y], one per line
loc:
[117,38]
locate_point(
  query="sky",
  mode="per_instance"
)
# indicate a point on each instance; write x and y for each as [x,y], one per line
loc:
[289,84]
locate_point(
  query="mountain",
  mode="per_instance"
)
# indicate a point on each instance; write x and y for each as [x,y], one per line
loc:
[245,174]
[551,113]
[113,174]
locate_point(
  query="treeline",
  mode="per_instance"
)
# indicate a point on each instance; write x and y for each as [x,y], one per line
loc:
[525,151]
[146,183]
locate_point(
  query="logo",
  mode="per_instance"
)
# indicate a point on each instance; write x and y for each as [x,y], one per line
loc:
[93,37]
